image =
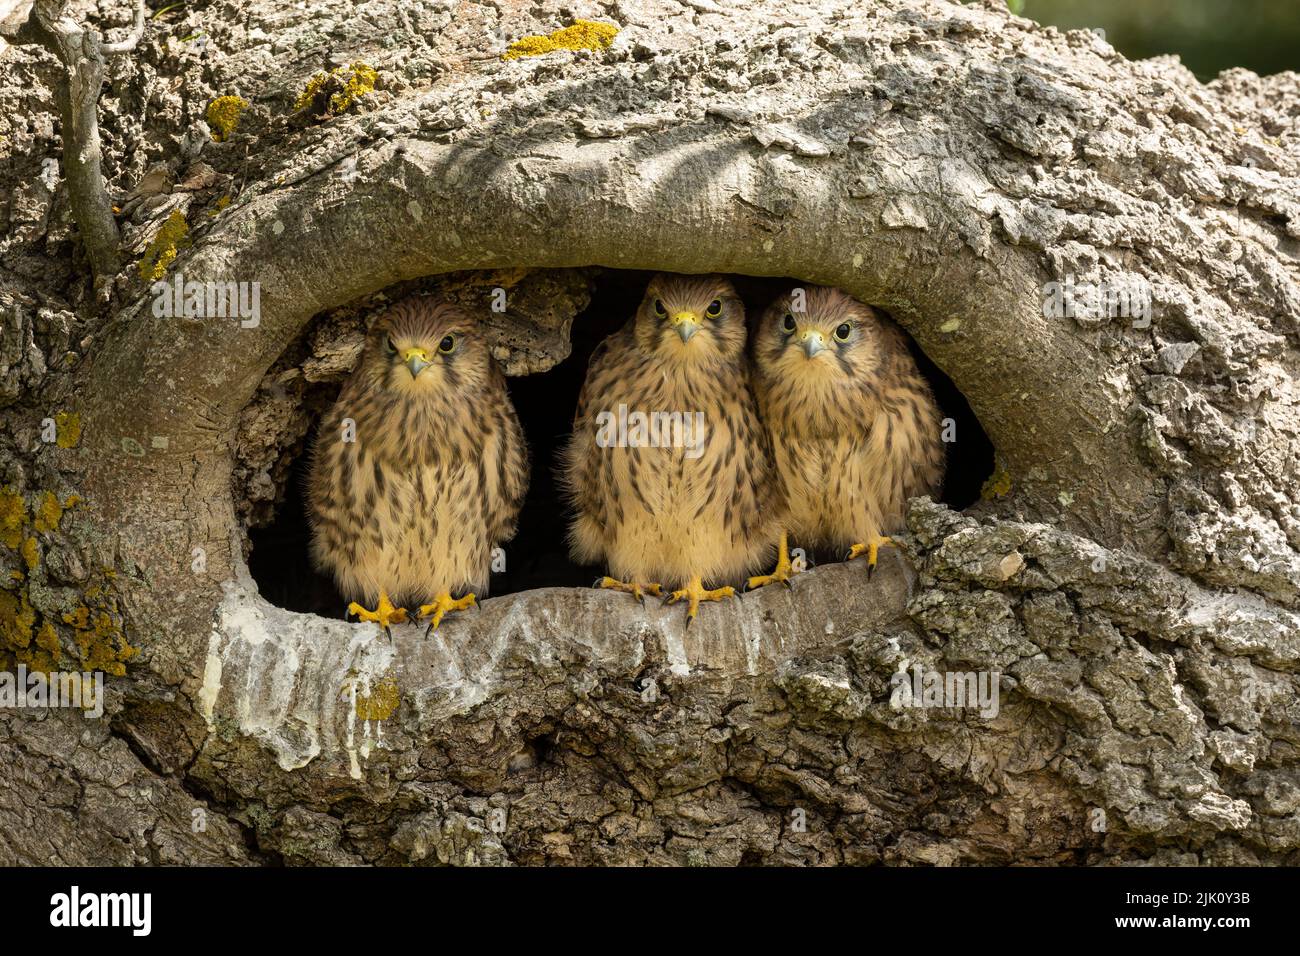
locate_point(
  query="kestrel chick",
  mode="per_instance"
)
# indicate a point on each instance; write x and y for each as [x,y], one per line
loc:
[855,430]
[419,469]
[668,462]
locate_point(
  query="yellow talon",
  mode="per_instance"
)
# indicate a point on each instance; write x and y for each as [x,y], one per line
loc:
[871,549]
[695,593]
[784,569]
[441,605]
[384,613]
[638,591]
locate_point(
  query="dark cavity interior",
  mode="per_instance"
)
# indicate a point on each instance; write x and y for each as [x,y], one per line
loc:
[537,557]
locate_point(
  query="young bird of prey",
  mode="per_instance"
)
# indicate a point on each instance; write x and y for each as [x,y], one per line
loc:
[408,499]
[854,427]
[676,502]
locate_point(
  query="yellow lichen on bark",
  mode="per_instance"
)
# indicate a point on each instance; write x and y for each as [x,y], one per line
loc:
[361,81]
[356,80]
[161,252]
[19,637]
[998,484]
[49,512]
[17,619]
[13,516]
[309,91]
[101,644]
[223,116]
[67,429]
[581,35]
[103,647]
[381,703]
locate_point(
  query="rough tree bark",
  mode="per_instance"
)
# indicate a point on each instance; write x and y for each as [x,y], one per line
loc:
[1134,574]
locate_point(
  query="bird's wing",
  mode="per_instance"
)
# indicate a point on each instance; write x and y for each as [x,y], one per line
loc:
[758,500]
[582,462]
[513,473]
[599,357]
[906,435]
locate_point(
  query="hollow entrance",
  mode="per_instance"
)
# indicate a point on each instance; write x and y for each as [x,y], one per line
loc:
[537,556]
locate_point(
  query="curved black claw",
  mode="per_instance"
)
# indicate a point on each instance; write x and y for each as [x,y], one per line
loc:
[596,583]
[428,629]
[871,569]
[689,619]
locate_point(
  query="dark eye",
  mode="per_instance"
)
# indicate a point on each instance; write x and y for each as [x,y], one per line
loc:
[391,346]
[715,309]
[787,324]
[842,333]
[447,345]
[659,308]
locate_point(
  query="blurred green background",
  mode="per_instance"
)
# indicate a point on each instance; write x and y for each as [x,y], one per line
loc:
[1209,35]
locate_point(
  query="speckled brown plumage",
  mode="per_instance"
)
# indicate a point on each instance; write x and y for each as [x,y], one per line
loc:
[657,515]
[854,426]
[437,473]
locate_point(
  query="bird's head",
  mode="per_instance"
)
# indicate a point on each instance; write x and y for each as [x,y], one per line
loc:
[690,318]
[815,338]
[421,347]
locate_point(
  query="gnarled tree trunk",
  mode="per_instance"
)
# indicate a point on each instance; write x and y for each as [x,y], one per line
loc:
[1133,576]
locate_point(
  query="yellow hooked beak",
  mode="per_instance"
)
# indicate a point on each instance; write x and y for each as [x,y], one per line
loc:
[416,360]
[813,342]
[686,324]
